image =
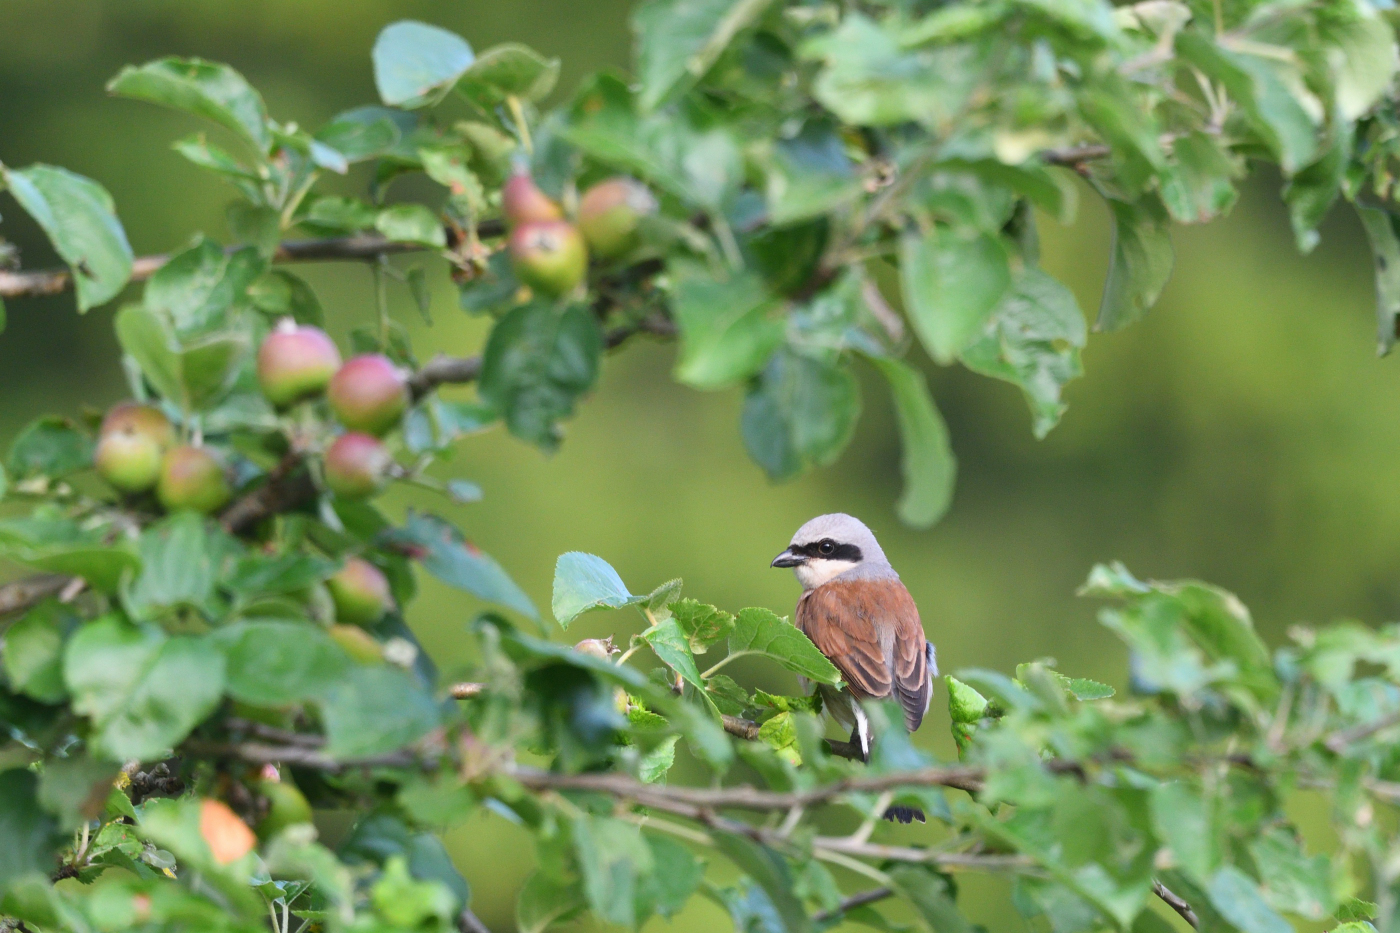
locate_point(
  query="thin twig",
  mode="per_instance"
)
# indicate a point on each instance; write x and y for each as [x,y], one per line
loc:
[30,591]
[1338,741]
[852,902]
[1176,903]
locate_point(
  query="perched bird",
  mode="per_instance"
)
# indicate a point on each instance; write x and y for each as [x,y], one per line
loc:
[855,609]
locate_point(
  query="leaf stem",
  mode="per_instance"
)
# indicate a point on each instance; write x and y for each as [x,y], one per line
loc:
[738,654]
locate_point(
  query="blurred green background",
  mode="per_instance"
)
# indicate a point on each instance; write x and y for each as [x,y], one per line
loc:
[1244,433]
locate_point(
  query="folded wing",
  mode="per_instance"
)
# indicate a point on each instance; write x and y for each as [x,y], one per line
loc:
[870,630]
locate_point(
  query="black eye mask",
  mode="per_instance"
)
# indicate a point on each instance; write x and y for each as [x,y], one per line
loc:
[827,549]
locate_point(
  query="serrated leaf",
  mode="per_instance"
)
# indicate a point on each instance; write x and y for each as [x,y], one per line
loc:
[411,223]
[583,583]
[927,461]
[50,446]
[671,646]
[799,413]
[375,709]
[760,631]
[611,857]
[207,89]
[274,663]
[658,761]
[510,70]
[703,624]
[79,218]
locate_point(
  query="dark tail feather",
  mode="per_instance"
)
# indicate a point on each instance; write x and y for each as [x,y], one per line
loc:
[898,814]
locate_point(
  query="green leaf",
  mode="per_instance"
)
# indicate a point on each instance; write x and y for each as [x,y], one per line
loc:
[583,583]
[33,655]
[148,340]
[1033,341]
[728,328]
[675,876]
[537,364]
[206,89]
[447,556]
[1383,232]
[509,70]
[1140,262]
[181,559]
[79,218]
[75,789]
[50,446]
[254,225]
[965,705]
[1354,908]
[144,691]
[197,289]
[255,574]
[1129,130]
[367,132]
[1272,92]
[31,837]
[415,64]
[932,897]
[759,631]
[658,761]
[951,286]
[1367,63]
[611,856]
[544,900]
[273,663]
[1235,895]
[770,872]
[703,624]
[407,903]
[799,413]
[375,709]
[1182,820]
[868,80]
[1199,185]
[671,646]
[678,41]
[810,174]
[1293,882]
[411,223]
[927,462]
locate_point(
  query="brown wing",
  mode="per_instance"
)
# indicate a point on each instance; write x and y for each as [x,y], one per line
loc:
[870,630]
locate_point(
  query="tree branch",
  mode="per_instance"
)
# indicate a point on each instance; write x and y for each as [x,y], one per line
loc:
[288,485]
[852,902]
[359,247]
[26,592]
[1176,904]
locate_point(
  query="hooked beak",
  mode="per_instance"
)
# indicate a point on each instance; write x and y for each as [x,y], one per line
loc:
[788,559]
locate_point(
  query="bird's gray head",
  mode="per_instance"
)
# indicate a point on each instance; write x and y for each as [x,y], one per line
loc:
[830,545]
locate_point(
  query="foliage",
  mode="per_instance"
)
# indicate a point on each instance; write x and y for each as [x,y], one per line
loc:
[827,179]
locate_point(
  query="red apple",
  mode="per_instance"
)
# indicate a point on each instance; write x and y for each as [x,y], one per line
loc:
[146,420]
[523,202]
[609,213]
[357,465]
[360,592]
[549,257]
[192,478]
[369,393]
[295,362]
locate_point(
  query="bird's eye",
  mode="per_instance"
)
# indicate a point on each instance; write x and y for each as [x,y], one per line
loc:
[827,546]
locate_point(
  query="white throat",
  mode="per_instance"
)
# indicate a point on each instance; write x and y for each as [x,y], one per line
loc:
[818,570]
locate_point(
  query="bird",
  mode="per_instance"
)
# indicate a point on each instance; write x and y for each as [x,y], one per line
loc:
[859,614]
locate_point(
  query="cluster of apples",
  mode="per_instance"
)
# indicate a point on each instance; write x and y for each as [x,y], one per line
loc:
[550,254]
[137,453]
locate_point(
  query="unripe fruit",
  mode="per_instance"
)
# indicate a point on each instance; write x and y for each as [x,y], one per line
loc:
[357,466]
[192,478]
[129,460]
[286,807]
[358,643]
[609,213]
[145,420]
[524,203]
[360,592]
[369,394]
[295,363]
[549,257]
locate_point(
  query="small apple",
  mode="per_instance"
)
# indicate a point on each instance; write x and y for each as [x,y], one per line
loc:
[286,806]
[146,420]
[295,362]
[609,213]
[128,460]
[360,592]
[358,643]
[369,394]
[549,257]
[357,465]
[524,203]
[192,478]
